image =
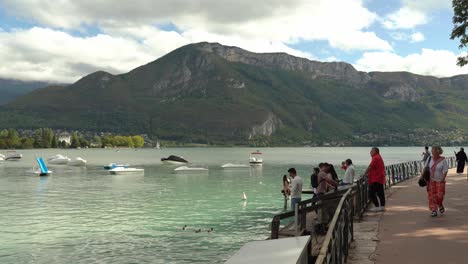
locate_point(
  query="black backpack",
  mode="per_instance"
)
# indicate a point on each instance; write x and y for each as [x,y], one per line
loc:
[314,180]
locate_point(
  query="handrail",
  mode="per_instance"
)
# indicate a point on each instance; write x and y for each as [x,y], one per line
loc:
[353,203]
[334,240]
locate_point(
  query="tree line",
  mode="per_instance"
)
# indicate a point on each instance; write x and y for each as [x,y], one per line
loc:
[47,138]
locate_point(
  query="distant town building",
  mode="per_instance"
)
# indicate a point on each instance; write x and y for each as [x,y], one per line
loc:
[64,137]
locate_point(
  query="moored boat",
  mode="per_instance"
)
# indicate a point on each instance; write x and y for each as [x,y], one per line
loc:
[115,165]
[174,160]
[122,170]
[234,166]
[256,158]
[78,161]
[12,155]
[190,169]
[58,159]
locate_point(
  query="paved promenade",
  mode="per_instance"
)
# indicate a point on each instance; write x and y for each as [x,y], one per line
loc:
[407,233]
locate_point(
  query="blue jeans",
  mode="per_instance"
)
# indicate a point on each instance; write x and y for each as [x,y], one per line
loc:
[294,201]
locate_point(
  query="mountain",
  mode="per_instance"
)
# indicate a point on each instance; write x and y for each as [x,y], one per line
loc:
[10,89]
[207,92]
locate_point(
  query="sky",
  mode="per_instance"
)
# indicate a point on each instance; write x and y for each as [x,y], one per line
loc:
[62,41]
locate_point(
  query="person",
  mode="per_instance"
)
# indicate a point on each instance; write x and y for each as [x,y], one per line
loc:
[324,179]
[296,188]
[349,173]
[461,159]
[376,178]
[438,167]
[343,165]
[286,191]
[332,171]
[314,181]
[426,154]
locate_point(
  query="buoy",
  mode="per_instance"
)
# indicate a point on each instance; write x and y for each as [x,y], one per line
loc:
[244,197]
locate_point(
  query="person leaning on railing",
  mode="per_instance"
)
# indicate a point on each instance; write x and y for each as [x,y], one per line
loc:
[325,179]
[376,178]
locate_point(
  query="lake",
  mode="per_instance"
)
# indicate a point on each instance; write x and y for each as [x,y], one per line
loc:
[85,215]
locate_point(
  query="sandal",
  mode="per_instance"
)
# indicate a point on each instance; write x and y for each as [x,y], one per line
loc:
[434,213]
[442,209]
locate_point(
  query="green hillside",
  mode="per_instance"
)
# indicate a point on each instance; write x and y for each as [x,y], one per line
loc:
[210,93]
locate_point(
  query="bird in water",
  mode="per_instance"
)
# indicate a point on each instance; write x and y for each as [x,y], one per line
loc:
[198,231]
[244,197]
[185,227]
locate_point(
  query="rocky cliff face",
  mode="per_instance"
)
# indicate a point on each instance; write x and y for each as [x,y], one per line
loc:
[267,128]
[398,85]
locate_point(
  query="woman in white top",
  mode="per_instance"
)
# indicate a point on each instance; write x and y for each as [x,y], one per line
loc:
[436,187]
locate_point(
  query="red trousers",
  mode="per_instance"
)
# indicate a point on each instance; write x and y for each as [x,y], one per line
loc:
[435,194]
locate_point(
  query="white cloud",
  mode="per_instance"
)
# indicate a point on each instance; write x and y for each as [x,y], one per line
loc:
[52,55]
[132,35]
[271,20]
[405,18]
[413,38]
[417,37]
[441,63]
[414,13]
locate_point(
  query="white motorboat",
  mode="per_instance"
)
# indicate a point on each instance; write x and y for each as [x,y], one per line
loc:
[256,158]
[13,156]
[123,170]
[234,166]
[174,160]
[58,159]
[190,169]
[78,161]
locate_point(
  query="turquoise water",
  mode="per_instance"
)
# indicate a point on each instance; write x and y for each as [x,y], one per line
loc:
[84,215]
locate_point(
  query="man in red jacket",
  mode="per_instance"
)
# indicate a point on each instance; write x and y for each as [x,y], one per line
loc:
[376,178]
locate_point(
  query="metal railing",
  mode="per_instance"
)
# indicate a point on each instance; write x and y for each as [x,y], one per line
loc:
[352,203]
[340,234]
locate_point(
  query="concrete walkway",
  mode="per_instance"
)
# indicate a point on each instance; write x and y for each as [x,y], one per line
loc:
[407,233]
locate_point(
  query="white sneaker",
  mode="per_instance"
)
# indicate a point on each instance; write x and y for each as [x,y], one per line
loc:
[376,209]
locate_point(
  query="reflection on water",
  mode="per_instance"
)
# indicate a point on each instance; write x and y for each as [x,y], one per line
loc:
[86,215]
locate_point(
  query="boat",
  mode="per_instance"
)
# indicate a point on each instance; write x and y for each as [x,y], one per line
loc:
[256,158]
[234,166]
[174,160]
[190,169]
[58,159]
[115,165]
[42,170]
[123,170]
[12,155]
[158,146]
[78,161]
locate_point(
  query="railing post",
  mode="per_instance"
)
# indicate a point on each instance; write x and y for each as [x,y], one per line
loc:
[275,225]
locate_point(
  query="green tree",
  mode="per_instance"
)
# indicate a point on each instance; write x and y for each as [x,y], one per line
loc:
[54,143]
[13,139]
[75,140]
[460,24]
[138,141]
[27,143]
[97,141]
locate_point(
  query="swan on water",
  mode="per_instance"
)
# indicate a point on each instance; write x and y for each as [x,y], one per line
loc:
[244,197]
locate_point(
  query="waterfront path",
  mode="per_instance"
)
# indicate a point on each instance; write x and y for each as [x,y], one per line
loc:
[407,233]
